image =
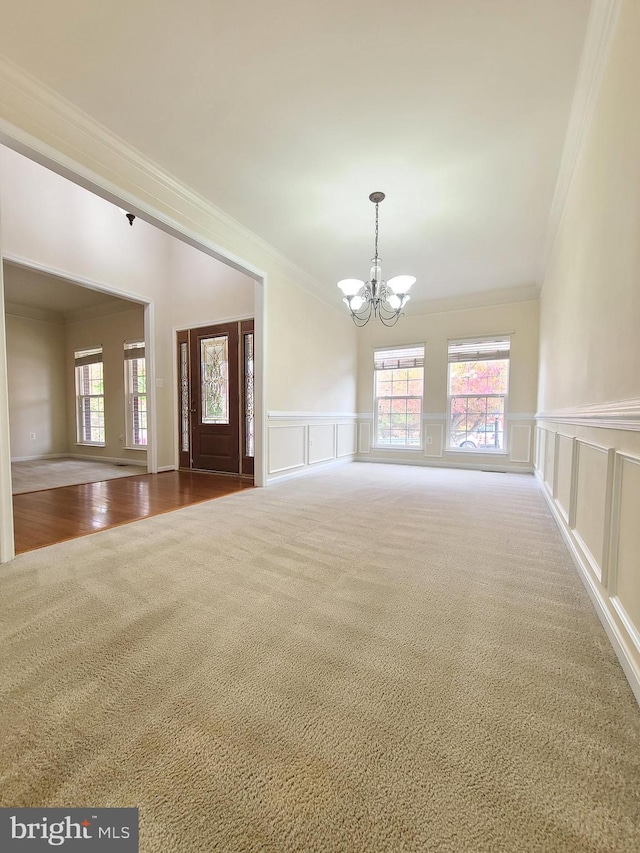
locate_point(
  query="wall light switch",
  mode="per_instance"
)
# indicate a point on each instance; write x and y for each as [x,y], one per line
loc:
[32,436]
[159,383]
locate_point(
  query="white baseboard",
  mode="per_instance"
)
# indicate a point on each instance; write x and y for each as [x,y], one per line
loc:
[430,462]
[115,460]
[605,612]
[163,468]
[309,469]
[38,457]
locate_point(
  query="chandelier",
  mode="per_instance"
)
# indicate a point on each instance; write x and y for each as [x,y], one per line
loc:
[376,297]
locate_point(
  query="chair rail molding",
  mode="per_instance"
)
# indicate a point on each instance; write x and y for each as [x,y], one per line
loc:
[309,416]
[620,414]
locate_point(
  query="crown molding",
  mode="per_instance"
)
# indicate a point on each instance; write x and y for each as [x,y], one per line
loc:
[601,25]
[105,309]
[38,122]
[30,312]
[503,296]
[620,414]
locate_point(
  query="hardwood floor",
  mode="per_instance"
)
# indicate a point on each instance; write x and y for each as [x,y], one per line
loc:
[42,518]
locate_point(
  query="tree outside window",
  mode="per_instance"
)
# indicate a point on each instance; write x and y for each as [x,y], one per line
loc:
[478,392]
[399,386]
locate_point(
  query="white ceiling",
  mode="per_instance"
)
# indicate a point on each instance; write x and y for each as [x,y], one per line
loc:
[33,289]
[287,114]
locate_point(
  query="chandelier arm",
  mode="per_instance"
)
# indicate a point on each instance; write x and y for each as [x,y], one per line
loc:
[386,312]
[362,317]
[389,321]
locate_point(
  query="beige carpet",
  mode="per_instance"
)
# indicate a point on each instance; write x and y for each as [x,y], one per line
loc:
[40,474]
[379,658]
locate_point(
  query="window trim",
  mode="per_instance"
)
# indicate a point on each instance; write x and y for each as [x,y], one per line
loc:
[83,358]
[478,451]
[404,448]
[133,351]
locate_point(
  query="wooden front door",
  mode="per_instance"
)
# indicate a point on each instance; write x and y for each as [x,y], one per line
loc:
[215,399]
[215,393]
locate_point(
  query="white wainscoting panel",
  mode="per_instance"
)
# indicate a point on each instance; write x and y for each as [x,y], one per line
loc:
[597,508]
[364,437]
[346,443]
[539,456]
[321,443]
[520,443]
[549,465]
[594,465]
[287,443]
[624,586]
[563,488]
[433,439]
[300,441]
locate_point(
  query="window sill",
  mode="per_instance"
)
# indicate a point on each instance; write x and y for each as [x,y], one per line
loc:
[476,451]
[397,447]
[91,444]
[136,447]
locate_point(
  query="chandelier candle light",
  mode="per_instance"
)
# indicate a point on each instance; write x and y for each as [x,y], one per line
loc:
[376,297]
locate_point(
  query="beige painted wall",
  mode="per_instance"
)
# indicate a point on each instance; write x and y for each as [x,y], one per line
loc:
[312,353]
[588,452]
[590,307]
[110,333]
[434,330]
[37,387]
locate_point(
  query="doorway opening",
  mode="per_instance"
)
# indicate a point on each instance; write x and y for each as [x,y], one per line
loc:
[77,233]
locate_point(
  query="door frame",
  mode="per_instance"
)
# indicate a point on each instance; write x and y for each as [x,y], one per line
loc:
[47,156]
[176,413]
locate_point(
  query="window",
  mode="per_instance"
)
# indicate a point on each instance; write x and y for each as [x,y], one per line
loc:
[478,392]
[135,383]
[89,396]
[399,383]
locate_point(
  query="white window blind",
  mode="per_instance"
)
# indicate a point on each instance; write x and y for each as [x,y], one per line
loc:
[398,358]
[134,350]
[88,356]
[479,350]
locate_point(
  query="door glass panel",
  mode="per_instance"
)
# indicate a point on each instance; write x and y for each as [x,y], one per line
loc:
[184,397]
[214,365]
[248,393]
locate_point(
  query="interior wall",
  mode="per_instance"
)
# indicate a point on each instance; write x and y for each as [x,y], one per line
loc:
[434,330]
[37,387]
[312,379]
[588,448]
[111,333]
[200,291]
